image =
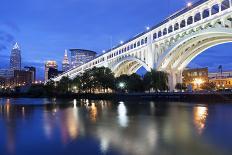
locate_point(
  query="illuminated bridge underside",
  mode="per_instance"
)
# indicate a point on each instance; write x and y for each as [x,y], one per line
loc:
[172,45]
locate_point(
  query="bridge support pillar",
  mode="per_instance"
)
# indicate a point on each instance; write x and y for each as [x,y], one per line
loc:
[174,77]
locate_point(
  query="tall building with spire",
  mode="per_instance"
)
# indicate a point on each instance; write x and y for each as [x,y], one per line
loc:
[65,63]
[15,58]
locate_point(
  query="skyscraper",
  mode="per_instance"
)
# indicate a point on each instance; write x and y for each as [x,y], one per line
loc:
[15,58]
[48,65]
[65,63]
[81,56]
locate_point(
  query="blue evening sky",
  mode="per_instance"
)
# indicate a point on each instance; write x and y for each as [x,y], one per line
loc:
[45,28]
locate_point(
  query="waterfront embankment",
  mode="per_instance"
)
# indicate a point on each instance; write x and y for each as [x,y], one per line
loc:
[169,97]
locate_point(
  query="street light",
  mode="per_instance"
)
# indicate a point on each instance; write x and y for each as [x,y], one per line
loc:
[121,42]
[198,82]
[189,4]
[121,85]
[148,28]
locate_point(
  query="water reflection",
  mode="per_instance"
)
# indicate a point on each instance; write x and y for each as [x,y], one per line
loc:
[115,128]
[122,115]
[200,116]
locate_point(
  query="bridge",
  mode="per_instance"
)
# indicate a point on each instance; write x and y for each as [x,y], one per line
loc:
[171,45]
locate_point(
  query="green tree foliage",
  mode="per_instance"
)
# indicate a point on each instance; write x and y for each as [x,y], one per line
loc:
[156,80]
[210,86]
[131,83]
[49,87]
[102,79]
[181,86]
[63,86]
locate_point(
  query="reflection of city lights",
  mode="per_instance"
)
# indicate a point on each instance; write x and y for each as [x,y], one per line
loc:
[47,126]
[72,126]
[93,112]
[122,115]
[200,115]
[75,103]
[104,145]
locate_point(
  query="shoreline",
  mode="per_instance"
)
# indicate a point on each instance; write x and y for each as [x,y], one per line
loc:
[169,97]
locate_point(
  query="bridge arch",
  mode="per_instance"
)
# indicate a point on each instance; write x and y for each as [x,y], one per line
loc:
[128,65]
[180,54]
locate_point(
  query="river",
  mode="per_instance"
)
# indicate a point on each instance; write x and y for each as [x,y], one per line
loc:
[71,127]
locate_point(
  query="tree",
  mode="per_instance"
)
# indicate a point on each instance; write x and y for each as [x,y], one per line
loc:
[181,86]
[135,83]
[210,86]
[105,78]
[101,79]
[76,84]
[63,85]
[50,87]
[156,80]
[122,82]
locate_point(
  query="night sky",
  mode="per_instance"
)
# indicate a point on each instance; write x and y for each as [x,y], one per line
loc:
[45,28]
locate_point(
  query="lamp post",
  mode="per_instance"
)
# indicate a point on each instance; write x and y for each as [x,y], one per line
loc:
[198,82]
[121,85]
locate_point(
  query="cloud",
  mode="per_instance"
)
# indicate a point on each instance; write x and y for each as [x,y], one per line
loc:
[7,31]
[6,38]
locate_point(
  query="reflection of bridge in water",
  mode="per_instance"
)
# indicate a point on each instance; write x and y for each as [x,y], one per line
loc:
[171,45]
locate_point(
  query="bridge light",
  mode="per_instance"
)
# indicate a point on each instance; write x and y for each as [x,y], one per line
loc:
[189,4]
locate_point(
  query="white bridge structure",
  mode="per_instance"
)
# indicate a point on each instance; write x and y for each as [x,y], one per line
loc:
[171,45]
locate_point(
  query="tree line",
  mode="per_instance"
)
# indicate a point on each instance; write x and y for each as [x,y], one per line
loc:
[102,80]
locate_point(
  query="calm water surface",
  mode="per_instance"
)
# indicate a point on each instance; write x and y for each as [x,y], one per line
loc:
[71,127]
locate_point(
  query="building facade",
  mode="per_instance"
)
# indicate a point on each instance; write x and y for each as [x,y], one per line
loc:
[195,77]
[53,72]
[81,56]
[222,80]
[48,65]
[65,63]
[32,70]
[6,73]
[18,78]
[15,58]
[23,78]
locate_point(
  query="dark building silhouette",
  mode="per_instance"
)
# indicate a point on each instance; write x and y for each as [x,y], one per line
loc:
[33,72]
[53,72]
[23,77]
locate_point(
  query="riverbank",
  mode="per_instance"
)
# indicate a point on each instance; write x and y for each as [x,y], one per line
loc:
[169,97]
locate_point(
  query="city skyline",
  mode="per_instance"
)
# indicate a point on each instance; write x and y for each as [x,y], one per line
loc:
[79,28]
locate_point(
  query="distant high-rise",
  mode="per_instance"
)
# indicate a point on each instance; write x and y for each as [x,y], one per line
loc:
[32,70]
[48,65]
[65,63]
[15,58]
[81,56]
